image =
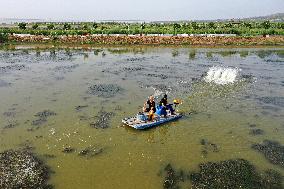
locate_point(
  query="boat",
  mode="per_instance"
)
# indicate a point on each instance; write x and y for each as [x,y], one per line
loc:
[139,122]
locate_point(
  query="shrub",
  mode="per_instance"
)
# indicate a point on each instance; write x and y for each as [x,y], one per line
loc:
[3,37]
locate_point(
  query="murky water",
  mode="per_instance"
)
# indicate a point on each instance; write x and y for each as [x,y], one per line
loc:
[58,82]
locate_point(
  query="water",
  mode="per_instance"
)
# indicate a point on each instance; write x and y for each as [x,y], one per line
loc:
[222,76]
[226,90]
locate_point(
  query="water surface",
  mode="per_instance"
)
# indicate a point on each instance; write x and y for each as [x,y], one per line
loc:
[225,113]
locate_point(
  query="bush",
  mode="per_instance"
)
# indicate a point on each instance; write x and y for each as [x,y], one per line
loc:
[3,37]
[22,26]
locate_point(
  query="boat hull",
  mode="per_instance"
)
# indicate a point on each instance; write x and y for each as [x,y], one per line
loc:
[140,125]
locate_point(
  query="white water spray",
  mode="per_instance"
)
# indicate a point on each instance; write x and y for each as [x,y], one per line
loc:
[221,76]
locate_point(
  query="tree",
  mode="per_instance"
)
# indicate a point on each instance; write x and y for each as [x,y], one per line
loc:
[3,37]
[176,26]
[248,25]
[266,24]
[67,26]
[22,25]
[142,26]
[194,25]
[95,25]
[85,27]
[50,26]
[212,25]
[35,26]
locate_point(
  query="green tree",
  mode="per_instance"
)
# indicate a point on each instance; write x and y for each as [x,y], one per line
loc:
[142,26]
[85,27]
[67,26]
[248,25]
[3,37]
[266,24]
[176,27]
[95,25]
[211,25]
[50,26]
[194,25]
[22,25]
[35,26]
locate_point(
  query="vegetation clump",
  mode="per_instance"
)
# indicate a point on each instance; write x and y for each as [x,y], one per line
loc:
[3,37]
[236,173]
[105,90]
[255,132]
[229,174]
[172,178]
[91,151]
[103,120]
[16,67]
[22,169]
[272,150]
[42,117]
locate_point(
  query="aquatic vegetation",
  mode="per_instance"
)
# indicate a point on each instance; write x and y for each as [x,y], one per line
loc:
[65,69]
[80,107]
[272,150]
[15,67]
[9,114]
[255,132]
[103,120]
[42,117]
[277,101]
[68,150]
[105,90]
[136,59]
[11,125]
[22,169]
[208,147]
[236,173]
[91,151]
[172,178]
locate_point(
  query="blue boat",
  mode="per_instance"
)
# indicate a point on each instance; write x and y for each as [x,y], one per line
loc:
[140,123]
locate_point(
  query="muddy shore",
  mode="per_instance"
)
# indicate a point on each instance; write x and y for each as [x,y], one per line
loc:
[151,40]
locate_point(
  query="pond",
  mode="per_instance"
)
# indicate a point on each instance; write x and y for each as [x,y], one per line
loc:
[67,103]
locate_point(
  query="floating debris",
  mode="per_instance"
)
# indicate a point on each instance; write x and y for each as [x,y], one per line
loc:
[22,169]
[272,150]
[236,173]
[105,90]
[103,120]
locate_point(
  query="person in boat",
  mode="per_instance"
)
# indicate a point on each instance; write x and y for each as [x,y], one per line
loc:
[151,105]
[151,109]
[165,106]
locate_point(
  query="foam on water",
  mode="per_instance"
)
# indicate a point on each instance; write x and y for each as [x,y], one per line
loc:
[221,76]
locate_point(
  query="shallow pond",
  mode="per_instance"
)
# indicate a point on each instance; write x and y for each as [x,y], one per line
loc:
[67,103]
